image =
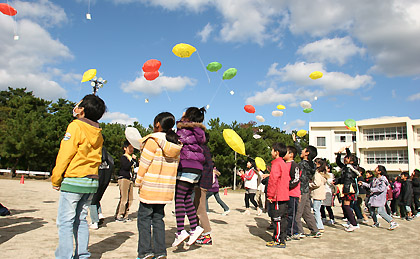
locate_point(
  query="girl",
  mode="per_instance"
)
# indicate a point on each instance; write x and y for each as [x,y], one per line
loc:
[317,187]
[214,191]
[191,134]
[378,189]
[250,179]
[328,203]
[349,173]
[156,178]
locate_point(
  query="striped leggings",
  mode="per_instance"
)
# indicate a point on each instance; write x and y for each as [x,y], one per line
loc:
[184,206]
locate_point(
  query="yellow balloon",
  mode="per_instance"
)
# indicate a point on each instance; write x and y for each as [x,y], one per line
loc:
[281,107]
[301,133]
[260,163]
[315,75]
[234,141]
[183,50]
[88,75]
[353,128]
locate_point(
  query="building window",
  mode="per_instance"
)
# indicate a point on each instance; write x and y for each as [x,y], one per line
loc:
[418,134]
[386,157]
[345,136]
[320,141]
[390,133]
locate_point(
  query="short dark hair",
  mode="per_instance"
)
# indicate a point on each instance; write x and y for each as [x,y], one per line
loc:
[293,150]
[252,161]
[382,169]
[405,174]
[312,152]
[195,114]
[362,170]
[281,148]
[126,144]
[93,107]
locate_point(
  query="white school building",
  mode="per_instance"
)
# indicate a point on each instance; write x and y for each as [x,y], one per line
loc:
[393,142]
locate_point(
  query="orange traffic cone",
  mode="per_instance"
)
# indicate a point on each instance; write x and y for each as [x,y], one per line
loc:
[225,192]
[22,180]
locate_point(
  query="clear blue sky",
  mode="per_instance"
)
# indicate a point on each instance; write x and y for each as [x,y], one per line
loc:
[369,54]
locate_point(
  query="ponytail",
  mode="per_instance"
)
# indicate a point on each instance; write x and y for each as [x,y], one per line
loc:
[195,114]
[167,121]
[171,136]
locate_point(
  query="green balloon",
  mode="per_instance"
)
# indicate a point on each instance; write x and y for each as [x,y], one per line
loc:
[350,123]
[308,110]
[214,66]
[230,73]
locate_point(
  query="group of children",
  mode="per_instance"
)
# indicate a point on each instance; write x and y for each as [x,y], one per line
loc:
[174,165]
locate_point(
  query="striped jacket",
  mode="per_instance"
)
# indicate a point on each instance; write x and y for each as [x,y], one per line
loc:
[157,169]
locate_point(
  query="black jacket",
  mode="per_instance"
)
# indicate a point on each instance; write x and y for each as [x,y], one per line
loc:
[406,193]
[348,176]
[308,171]
[416,185]
[126,169]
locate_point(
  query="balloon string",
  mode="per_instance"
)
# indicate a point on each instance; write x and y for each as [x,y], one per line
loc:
[167,94]
[218,88]
[204,68]
[89,6]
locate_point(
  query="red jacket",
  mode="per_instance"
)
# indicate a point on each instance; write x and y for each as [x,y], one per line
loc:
[278,183]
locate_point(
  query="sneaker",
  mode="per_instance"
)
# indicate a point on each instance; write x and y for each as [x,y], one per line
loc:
[120,219]
[324,221]
[128,219]
[322,230]
[295,237]
[301,235]
[160,257]
[315,234]
[94,226]
[148,256]
[332,222]
[352,228]
[288,238]
[204,240]
[226,212]
[246,212]
[179,238]
[276,244]
[346,225]
[409,218]
[259,212]
[194,234]
[396,217]
[375,225]
[101,216]
[393,225]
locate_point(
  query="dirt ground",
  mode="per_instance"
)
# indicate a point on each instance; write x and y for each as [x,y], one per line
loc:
[30,232]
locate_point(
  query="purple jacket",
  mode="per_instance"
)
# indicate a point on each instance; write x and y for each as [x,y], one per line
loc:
[191,135]
[397,189]
[215,186]
[378,189]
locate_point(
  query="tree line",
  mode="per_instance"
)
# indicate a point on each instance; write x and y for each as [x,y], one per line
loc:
[31,129]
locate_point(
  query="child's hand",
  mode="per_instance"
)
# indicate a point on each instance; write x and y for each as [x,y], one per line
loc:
[57,188]
[341,150]
[294,136]
[270,200]
[360,182]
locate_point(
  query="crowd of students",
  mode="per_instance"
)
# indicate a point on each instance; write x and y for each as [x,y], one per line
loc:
[176,165]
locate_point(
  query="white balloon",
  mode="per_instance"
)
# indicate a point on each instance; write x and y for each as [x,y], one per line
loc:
[277,113]
[133,136]
[315,98]
[305,104]
[256,136]
[260,118]
[232,92]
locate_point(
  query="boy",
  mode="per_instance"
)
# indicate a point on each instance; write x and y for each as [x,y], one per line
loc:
[294,193]
[406,196]
[278,194]
[304,208]
[76,175]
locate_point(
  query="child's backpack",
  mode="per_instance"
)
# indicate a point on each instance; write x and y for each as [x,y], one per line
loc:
[3,210]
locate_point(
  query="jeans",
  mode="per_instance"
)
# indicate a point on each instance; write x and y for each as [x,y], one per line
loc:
[151,215]
[317,212]
[94,211]
[71,222]
[218,199]
[382,212]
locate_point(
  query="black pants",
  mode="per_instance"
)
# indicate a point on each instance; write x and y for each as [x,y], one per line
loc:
[329,210]
[292,227]
[280,220]
[416,202]
[250,197]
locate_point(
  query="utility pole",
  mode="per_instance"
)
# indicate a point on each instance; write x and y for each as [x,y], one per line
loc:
[234,175]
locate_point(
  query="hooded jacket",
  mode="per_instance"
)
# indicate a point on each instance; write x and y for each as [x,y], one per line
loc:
[80,152]
[317,187]
[157,169]
[278,184]
[192,136]
[378,188]
[349,174]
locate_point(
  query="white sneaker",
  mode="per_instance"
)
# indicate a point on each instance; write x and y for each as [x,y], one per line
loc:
[194,234]
[352,228]
[94,225]
[393,225]
[225,213]
[246,212]
[101,216]
[259,212]
[180,238]
[346,225]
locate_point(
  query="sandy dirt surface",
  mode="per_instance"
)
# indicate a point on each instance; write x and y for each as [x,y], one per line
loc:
[30,232]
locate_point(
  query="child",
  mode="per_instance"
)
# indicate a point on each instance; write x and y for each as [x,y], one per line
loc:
[349,174]
[294,193]
[191,134]
[250,178]
[125,183]
[308,170]
[156,178]
[76,175]
[378,189]
[201,192]
[396,190]
[214,191]
[406,196]
[328,203]
[416,190]
[278,194]
[360,202]
[317,187]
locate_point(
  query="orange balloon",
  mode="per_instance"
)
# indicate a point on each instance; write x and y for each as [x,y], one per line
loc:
[7,9]
[151,75]
[249,108]
[151,65]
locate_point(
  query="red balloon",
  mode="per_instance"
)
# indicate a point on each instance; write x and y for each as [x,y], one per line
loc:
[7,9]
[249,108]
[151,65]
[151,75]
